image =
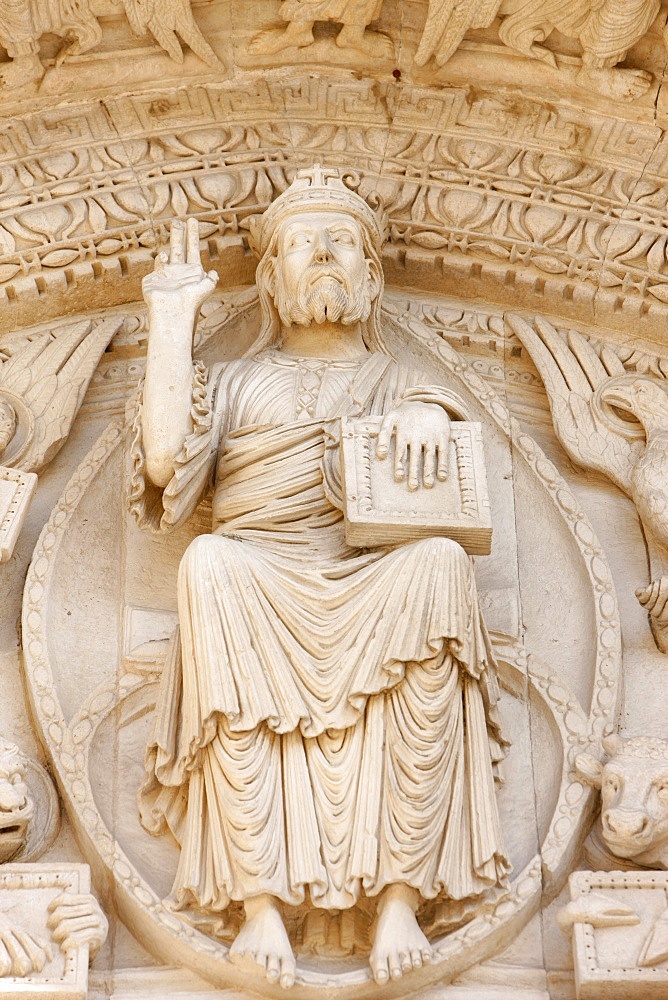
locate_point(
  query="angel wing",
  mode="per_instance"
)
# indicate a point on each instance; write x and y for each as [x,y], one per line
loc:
[167,19]
[447,23]
[572,372]
[42,386]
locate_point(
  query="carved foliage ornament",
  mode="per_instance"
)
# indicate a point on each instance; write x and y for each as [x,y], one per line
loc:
[575,202]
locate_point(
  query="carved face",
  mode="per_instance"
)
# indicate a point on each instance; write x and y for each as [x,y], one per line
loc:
[320,272]
[16,807]
[634,809]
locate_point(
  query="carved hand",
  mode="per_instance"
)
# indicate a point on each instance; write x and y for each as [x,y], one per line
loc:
[422,435]
[21,952]
[76,920]
[179,283]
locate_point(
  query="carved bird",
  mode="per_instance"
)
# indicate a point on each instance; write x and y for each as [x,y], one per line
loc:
[447,23]
[614,422]
[167,19]
[42,386]
[526,24]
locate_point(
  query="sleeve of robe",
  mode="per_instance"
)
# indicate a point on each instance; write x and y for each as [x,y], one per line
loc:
[164,510]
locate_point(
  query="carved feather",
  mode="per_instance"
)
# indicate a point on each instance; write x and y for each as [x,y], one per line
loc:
[51,377]
[572,372]
[167,21]
[447,23]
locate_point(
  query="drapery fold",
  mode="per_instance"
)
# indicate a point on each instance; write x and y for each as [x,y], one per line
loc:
[327,715]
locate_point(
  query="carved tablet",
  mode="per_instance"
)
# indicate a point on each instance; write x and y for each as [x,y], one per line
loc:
[26,892]
[380,511]
[16,490]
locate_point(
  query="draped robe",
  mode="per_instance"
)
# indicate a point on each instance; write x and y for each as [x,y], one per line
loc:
[607,29]
[327,715]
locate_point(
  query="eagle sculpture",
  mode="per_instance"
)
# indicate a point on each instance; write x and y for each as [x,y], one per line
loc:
[616,423]
[606,29]
[42,385]
[23,22]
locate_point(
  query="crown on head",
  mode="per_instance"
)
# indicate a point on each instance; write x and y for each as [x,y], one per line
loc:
[321,189]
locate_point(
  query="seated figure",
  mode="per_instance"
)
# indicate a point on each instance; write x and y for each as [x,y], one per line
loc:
[326,728]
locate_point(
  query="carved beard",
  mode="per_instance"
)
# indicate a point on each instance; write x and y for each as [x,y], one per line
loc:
[321,299]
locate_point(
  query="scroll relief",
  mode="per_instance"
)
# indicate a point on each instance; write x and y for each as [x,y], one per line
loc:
[586,391]
[334,736]
[42,385]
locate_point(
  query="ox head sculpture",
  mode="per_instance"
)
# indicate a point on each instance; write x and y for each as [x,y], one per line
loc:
[29,807]
[16,804]
[634,797]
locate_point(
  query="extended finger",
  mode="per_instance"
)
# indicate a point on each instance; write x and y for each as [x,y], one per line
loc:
[68,912]
[72,899]
[21,964]
[428,465]
[70,932]
[414,456]
[192,242]
[34,949]
[385,435]
[177,242]
[400,458]
[443,459]
[160,261]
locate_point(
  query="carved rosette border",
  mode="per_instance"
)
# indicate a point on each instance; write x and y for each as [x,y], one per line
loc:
[69,744]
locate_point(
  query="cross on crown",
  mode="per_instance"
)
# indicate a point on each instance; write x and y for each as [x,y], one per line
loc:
[321,189]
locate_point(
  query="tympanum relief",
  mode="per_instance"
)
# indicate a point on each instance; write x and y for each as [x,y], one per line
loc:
[323,731]
[322,635]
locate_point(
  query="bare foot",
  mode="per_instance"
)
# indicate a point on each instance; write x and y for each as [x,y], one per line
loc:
[399,945]
[619,84]
[264,940]
[369,43]
[295,36]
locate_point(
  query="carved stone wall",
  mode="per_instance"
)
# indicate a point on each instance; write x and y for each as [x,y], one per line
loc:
[526,268]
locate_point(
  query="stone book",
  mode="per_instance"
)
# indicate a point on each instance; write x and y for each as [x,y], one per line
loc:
[379,510]
[16,490]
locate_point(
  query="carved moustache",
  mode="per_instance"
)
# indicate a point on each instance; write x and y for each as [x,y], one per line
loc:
[325,299]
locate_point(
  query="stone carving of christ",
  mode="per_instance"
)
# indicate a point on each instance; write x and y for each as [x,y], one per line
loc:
[326,727]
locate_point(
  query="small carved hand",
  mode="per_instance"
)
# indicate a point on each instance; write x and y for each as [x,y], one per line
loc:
[179,282]
[21,952]
[422,436]
[76,920]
